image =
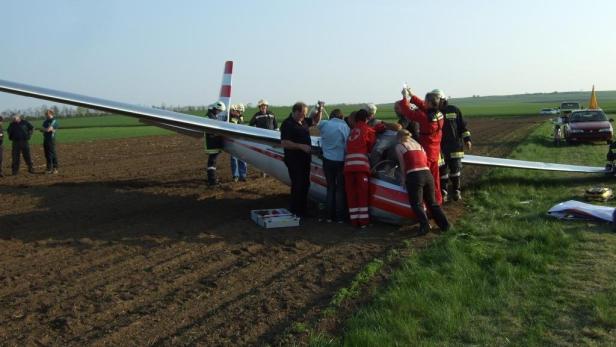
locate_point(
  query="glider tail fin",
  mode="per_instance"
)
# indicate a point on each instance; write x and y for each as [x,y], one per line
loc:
[225,88]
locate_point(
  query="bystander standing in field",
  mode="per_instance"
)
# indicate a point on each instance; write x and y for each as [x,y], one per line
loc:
[238,167]
[50,125]
[416,176]
[213,143]
[1,145]
[295,139]
[455,136]
[334,134]
[20,131]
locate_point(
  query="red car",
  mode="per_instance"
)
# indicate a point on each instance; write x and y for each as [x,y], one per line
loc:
[588,125]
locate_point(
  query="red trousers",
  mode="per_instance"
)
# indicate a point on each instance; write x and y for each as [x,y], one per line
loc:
[357,188]
[433,165]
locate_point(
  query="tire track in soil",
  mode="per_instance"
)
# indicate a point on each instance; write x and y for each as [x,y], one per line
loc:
[151,328]
[235,297]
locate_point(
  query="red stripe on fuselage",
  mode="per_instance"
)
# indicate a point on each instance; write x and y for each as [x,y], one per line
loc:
[387,199]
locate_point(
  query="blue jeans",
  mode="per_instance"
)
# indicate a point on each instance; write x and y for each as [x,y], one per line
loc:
[238,168]
[336,198]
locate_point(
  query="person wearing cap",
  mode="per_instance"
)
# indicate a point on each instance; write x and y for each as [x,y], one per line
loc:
[419,183]
[20,131]
[1,145]
[430,119]
[213,143]
[455,136]
[297,144]
[334,134]
[238,167]
[264,118]
[50,125]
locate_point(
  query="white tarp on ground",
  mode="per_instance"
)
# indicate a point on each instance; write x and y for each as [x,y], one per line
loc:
[576,210]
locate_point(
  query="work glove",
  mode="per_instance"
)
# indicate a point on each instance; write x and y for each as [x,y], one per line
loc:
[405,93]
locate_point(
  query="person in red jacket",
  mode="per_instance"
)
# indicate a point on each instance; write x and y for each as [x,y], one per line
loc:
[430,121]
[357,169]
[416,176]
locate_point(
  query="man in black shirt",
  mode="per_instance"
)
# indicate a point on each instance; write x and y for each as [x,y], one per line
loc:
[295,139]
[20,131]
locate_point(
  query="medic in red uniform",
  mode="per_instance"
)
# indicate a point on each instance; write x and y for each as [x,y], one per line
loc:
[430,121]
[357,169]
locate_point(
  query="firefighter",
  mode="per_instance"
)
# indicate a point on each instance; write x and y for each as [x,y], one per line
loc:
[430,121]
[238,167]
[264,118]
[419,182]
[357,169]
[455,136]
[213,143]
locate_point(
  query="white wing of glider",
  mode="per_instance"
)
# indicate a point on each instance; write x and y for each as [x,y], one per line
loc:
[197,126]
[523,164]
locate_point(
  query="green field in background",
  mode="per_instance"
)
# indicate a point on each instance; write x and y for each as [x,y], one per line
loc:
[91,128]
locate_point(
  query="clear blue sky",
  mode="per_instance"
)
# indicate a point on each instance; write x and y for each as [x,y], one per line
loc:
[153,52]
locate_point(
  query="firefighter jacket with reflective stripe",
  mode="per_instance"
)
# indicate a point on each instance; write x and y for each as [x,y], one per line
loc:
[413,156]
[430,125]
[359,144]
[455,133]
[263,120]
[213,143]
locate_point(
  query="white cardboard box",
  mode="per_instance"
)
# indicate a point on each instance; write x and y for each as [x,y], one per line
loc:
[274,218]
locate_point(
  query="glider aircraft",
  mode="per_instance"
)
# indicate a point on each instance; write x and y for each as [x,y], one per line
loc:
[261,147]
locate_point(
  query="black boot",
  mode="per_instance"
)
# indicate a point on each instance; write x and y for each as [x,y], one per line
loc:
[212,180]
[424,228]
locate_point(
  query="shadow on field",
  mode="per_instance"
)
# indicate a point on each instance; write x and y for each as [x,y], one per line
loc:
[140,213]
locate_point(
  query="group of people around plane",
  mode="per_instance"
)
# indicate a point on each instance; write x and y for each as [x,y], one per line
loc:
[427,143]
[19,133]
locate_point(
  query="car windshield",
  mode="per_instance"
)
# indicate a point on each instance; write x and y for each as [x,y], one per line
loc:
[570,105]
[587,116]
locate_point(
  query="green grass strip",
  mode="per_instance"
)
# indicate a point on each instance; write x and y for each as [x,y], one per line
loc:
[507,274]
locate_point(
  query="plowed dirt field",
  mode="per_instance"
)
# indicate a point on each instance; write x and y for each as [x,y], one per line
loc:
[128,246]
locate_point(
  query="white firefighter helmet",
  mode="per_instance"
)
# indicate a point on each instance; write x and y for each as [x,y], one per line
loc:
[439,93]
[218,105]
[240,108]
[262,102]
[370,108]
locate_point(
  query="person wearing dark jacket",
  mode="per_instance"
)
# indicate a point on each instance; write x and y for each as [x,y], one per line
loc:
[20,131]
[263,118]
[49,142]
[1,148]
[455,136]
[213,143]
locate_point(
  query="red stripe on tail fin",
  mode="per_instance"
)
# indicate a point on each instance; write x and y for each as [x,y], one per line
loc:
[229,67]
[225,91]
